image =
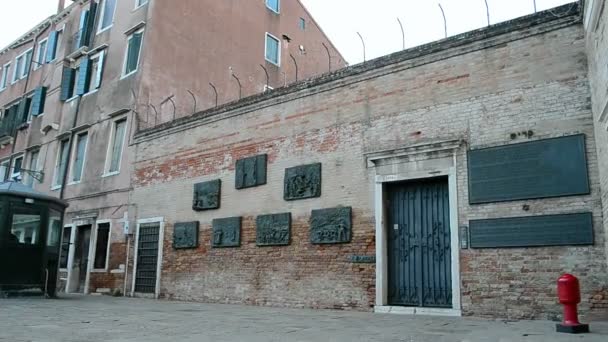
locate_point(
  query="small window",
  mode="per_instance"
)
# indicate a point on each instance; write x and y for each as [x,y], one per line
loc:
[4,170]
[16,169]
[61,163]
[25,229]
[65,247]
[133,52]
[139,3]
[108,8]
[22,65]
[96,71]
[4,79]
[80,149]
[41,54]
[273,49]
[19,62]
[54,229]
[274,5]
[32,168]
[116,145]
[101,246]
[302,24]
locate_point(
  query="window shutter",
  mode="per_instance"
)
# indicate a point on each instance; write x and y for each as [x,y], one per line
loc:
[133,54]
[66,83]
[21,111]
[38,101]
[82,32]
[99,75]
[84,76]
[51,46]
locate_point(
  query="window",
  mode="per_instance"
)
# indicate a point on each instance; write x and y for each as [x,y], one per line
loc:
[22,65]
[273,49]
[61,163]
[16,169]
[65,247]
[54,229]
[25,229]
[18,66]
[96,71]
[116,144]
[32,168]
[274,5]
[69,82]
[4,79]
[302,24]
[133,52]
[80,149]
[107,14]
[139,3]
[102,246]
[27,109]
[3,170]
[41,55]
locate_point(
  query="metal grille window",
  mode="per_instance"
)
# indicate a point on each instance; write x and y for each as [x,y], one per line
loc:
[65,247]
[274,5]
[147,258]
[61,164]
[101,246]
[118,138]
[133,52]
[273,49]
[79,156]
[107,14]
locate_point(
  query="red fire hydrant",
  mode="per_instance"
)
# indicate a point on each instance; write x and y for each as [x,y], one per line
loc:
[569,294]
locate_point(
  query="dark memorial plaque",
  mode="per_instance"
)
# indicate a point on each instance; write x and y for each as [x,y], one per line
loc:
[273,230]
[226,232]
[362,259]
[251,172]
[185,235]
[538,169]
[302,182]
[207,195]
[534,231]
[329,226]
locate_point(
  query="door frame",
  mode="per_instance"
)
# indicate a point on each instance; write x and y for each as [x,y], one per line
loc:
[72,253]
[159,262]
[381,304]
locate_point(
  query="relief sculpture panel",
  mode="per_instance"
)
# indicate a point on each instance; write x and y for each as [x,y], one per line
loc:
[207,195]
[251,172]
[328,226]
[226,232]
[185,235]
[273,230]
[302,182]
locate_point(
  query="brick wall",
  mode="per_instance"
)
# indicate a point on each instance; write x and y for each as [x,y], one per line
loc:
[529,74]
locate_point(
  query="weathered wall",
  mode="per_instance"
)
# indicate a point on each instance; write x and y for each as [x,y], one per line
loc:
[529,74]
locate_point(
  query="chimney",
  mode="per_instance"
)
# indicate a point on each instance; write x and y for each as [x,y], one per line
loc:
[60,6]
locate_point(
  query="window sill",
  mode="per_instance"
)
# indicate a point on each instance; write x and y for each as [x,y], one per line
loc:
[91,92]
[74,183]
[128,75]
[140,6]
[105,29]
[110,174]
[56,187]
[71,99]
[277,64]
[99,270]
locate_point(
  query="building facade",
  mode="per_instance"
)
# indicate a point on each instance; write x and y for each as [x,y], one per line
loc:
[460,178]
[76,87]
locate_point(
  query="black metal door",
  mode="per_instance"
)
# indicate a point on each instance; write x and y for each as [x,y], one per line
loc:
[147,258]
[419,255]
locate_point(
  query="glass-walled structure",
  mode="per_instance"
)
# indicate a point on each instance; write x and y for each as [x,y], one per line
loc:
[30,238]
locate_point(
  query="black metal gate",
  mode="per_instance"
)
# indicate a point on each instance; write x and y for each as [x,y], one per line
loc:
[419,254]
[147,258]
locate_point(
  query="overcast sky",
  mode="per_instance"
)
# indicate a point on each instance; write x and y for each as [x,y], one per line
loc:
[376,20]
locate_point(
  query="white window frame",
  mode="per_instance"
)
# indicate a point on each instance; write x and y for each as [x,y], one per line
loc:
[100,56]
[107,264]
[30,166]
[20,74]
[126,58]
[56,171]
[138,5]
[12,172]
[4,82]
[108,163]
[41,55]
[278,63]
[70,255]
[73,157]
[58,42]
[16,72]
[161,238]
[278,10]
[102,13]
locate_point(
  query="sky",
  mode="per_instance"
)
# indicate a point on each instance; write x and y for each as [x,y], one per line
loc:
[375,20]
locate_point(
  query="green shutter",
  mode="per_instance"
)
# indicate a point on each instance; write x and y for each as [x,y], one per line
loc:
[22,112]
[38,101]
[66,83]
[84,76]
[51,46]
[133,53]
[83,38]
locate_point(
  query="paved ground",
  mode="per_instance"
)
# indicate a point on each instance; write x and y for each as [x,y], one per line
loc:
[126,319]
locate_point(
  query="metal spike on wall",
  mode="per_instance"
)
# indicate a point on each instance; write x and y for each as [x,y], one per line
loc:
[402,32]
[363,43]
[445,21]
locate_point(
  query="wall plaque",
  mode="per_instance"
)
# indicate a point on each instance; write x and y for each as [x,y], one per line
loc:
[226,232]
[273,230]
[302,182]
[362,259]
[331,225]
[185,235]
[547,230]
[207,195]
[537,169]
[251,172]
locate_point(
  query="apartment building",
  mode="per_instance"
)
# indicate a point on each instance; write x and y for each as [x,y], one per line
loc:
[75,88]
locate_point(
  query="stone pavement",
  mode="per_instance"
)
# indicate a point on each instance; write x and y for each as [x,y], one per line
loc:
[80,318]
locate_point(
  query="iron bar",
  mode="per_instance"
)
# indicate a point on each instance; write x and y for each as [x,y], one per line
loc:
[296,64]
[193,99]
[267,77]
[328,55]
[240,86]
[445,21]
[362,42]
[215,91]
[402,32]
